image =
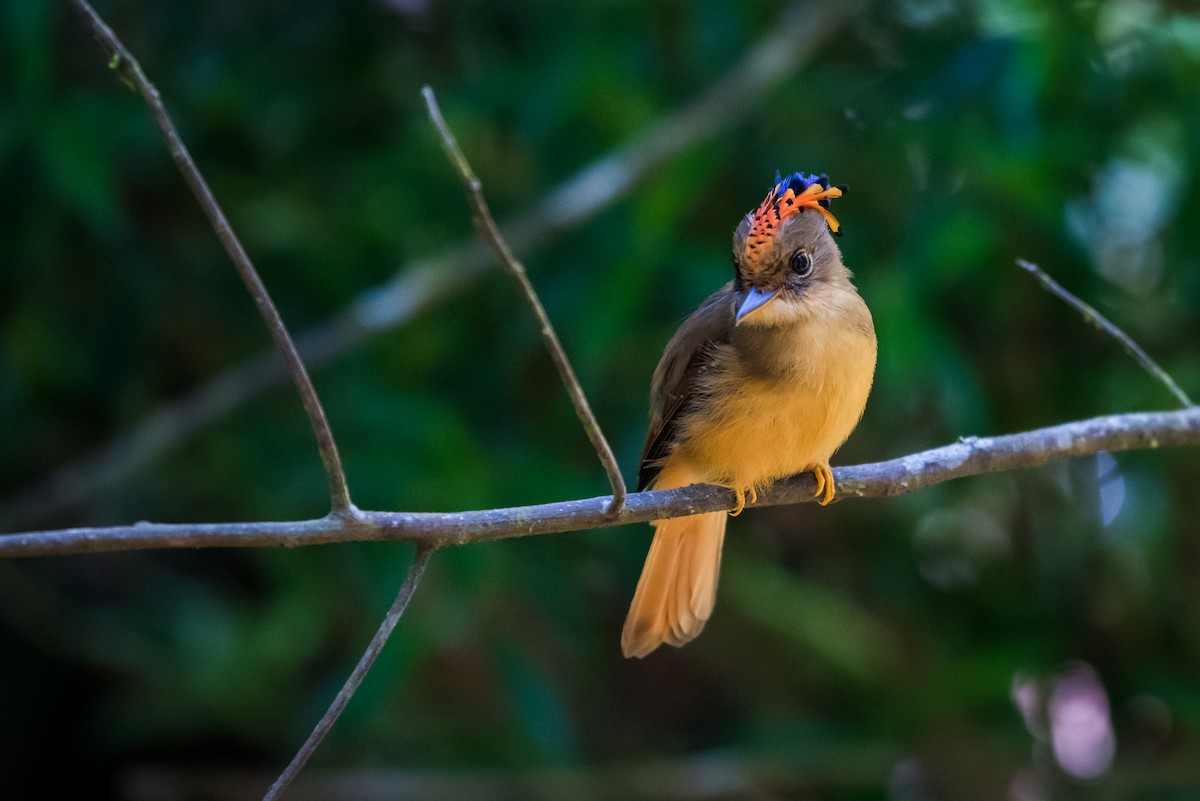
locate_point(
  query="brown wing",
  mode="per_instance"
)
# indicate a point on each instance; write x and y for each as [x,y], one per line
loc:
[671,391]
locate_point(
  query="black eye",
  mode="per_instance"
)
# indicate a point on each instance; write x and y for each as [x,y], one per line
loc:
[801,263]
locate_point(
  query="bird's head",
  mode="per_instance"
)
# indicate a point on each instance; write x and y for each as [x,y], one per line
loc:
[784,248]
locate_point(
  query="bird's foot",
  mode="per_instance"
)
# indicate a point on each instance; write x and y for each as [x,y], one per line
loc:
[741,500]
[825,484]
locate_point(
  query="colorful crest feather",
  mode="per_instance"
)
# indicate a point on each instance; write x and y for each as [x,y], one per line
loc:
[790,195]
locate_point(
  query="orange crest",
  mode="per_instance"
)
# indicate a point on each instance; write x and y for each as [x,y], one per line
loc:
[789,196]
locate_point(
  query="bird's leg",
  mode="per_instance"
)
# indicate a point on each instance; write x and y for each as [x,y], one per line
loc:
[825,484]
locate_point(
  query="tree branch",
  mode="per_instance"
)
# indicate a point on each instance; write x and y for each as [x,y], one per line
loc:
[130,71]
[415,571]
[1105,325]
[486,226]
[802,29]
[968,457]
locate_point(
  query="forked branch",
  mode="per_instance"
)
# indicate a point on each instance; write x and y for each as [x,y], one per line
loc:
[800,32]
[487,228]
[121,61]
[430,531]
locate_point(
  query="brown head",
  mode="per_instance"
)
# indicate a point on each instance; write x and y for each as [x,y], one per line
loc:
[785,248]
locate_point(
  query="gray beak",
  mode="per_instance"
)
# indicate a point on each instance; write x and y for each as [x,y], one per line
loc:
[755,299]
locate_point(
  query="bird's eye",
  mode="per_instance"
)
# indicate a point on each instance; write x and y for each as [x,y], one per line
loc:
[802,263]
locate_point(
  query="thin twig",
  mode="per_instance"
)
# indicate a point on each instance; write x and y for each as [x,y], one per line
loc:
[486,225]
[415,571]
[1101,322]
[130,71]
[968,457]
[803,27]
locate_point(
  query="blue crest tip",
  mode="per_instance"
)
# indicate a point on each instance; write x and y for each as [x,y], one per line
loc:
[799,181]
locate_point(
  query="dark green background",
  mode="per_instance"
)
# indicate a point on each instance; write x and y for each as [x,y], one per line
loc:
[867,650]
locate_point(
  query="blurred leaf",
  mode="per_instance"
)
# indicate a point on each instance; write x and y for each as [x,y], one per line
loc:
[811,615]
[77,156]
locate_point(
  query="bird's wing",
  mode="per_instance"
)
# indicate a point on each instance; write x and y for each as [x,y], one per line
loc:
[675,377]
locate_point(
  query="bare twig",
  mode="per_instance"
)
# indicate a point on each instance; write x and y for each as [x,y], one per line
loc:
[415,571]
[968,457]
[802,29]
[1104,324]
[486,226]
[130,71]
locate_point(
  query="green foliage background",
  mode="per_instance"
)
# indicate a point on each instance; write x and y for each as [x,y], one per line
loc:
[868,650]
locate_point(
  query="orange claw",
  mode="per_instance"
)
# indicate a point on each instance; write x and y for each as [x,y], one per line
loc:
[741,500]
[741,503]
[825,484]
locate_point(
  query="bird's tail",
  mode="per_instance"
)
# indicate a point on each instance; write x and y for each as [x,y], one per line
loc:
[678,587]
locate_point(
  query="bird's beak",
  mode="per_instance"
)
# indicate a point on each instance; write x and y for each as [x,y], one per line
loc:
[755,299]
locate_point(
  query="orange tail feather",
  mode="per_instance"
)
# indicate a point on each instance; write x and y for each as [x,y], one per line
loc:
[678,588]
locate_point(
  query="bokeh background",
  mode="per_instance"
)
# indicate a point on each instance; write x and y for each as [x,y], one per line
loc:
[1025,636]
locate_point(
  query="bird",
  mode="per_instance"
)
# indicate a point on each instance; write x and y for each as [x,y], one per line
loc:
[767,378]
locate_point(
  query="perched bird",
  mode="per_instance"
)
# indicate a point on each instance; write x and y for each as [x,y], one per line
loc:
[766,379]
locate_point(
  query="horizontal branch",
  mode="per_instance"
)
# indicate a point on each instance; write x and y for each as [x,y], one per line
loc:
[968,457]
